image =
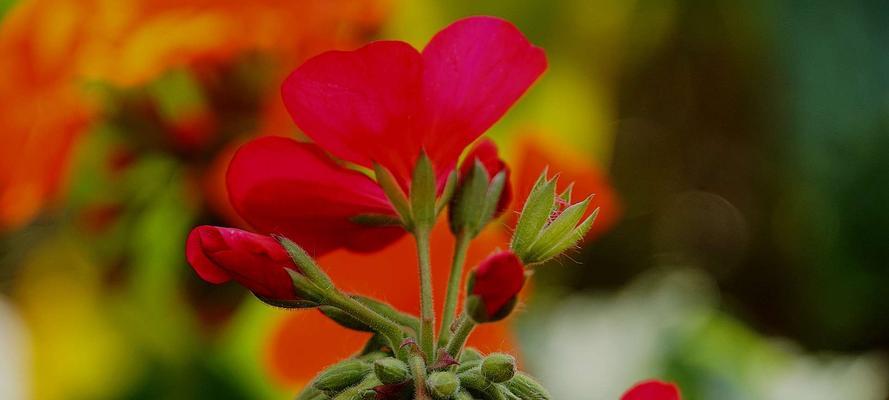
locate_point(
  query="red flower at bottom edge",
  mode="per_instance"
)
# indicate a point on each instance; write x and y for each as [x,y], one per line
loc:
[652,390]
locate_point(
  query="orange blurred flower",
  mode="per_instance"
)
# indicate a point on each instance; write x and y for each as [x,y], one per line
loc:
[50,48]
[385,275]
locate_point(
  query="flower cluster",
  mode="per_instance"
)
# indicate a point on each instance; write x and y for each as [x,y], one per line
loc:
[388,126]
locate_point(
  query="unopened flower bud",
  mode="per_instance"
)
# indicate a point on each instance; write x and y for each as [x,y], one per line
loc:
[391,370]
[494,287]
[463,395]
[470,354]
[442,385]
[342,375]
[525,387]
[498,367]
[473,380]
[548,224]
[652,389]
[483,192]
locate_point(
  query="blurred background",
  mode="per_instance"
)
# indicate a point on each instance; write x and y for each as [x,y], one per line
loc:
[745,256]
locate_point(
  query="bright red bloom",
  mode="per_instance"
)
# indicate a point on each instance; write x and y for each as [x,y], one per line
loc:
[381,103]
[279,185]
[485,151]
[255,261]
[497,281]
[652,390]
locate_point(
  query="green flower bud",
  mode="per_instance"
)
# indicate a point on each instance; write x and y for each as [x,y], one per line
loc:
[470,354]
[391,370]
[474,381]
[526,388]
[463,395]
[549,224]
[342,375]
[498,367]
[442,385]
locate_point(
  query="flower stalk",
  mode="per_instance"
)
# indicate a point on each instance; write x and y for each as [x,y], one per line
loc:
[448,314]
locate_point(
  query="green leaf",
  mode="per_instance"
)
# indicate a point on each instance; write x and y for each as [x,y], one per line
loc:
[393,192]
[423,193]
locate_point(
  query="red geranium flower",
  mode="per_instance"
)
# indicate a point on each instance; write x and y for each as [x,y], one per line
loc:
[652,390]
[255,261]
[381,103]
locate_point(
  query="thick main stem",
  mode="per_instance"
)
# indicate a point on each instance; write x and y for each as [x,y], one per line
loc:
[418,370]
[464,328]
[427,310]
[450,306]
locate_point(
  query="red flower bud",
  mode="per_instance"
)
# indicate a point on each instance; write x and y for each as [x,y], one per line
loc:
[256,261]
[652,390]
[494,285]
[485,151]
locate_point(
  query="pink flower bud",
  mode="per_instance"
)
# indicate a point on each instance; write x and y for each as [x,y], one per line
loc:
[485,151]
[255,261]
[494,285]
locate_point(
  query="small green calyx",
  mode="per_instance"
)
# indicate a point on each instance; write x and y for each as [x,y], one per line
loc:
[391,370]
[475,200]
[394,193]
[442,385]
[545,230]
[342,376]
[498,367]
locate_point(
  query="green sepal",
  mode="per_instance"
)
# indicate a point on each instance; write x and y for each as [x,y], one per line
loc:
[304,288]
[342,375]
[535,214]
[307,265]
[344,319]
[376,344]
[422,196]
[469,201]
[376,220]
[492,200]
[393,192]
[556,232]
[361,391]
[447,193]
[470,354]
[571,240]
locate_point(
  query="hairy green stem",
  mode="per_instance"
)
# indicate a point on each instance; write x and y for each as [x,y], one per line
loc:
[450,306]
[465,325]
[386,327]
[427,310]
[418,369]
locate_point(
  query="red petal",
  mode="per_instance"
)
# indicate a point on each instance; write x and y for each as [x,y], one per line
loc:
[279,185]
[194,253]
[498,279]
[486,152]
[652,390]
[361,105]
[473,71]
